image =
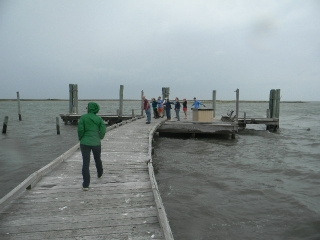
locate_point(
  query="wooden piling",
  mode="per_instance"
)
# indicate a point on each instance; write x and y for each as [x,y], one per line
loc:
[58,125]
[19,109]
[165,92]
[121,101]
[274,107]
[237,105]
[133,113]
[214,94]
[5,124]
[73,98]
[272,103]
[277,103]
[142,107]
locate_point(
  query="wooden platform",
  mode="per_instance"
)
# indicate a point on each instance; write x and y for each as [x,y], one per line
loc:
[267,121]
[188,127]
[109,119]
[123,204]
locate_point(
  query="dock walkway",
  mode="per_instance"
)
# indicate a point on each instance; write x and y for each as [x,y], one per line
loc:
[123,204]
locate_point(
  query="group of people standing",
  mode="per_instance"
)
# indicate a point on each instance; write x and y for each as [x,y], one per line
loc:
[160,106]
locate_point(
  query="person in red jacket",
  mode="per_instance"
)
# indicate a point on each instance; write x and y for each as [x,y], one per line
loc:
[147,109]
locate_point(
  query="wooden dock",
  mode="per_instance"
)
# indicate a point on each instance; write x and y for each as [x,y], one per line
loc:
[124,204]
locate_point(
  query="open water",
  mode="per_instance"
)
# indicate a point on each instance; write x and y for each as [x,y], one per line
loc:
[260,185]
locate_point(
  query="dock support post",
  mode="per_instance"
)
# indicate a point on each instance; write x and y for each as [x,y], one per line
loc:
[274,107]
[244,117]
[277,115]
[133,113]
[165,92]
[5,124]
[214,95]
[233,136]
[19,109]
[73,98]
[142,94]
[237,105]
[121,101]
[58,125]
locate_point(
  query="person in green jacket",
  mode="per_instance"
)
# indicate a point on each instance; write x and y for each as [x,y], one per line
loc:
[91,130]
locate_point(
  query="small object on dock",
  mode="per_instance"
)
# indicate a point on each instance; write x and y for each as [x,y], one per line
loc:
[228,117]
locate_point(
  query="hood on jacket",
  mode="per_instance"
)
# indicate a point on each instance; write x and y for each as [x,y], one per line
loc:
[93,107]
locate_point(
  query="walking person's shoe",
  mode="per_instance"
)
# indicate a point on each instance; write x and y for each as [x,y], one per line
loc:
[85,189]
[100,175]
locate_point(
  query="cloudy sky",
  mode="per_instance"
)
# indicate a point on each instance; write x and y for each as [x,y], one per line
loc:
[193,47]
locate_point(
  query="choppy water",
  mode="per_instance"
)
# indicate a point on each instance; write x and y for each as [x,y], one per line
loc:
[33,142]
[259,186]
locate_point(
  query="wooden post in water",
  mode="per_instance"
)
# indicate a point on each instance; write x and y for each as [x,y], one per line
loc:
[58,125]
[277,114]
[274,107]
[133,113]
[274,103]
[142,103]
[121,101]
[73,98]
[70,98]
[19,109]
[237,105]
[5,124]
[214,96]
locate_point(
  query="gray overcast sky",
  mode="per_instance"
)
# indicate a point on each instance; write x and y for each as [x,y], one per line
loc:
[193,47]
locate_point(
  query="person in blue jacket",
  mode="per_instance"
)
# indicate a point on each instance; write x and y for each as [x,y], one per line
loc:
[167,105]
[197,103]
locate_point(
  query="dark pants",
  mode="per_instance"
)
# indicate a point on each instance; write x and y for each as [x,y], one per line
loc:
[85,150]
[168,112]
[155,113]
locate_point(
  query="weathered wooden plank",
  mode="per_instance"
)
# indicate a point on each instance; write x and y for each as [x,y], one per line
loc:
[75,209]
[77,224]
[146,231]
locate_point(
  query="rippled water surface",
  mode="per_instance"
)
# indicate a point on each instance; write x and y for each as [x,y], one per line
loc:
[259,186]
[32,143]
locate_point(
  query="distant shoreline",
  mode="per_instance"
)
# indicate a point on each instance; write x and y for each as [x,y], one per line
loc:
[205,101]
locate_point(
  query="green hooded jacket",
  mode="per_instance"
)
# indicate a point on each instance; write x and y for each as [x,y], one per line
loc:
[91,128]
